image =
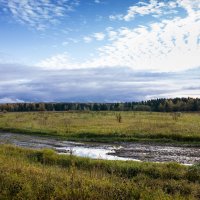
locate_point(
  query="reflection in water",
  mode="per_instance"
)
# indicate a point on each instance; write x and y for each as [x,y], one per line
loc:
[92,152]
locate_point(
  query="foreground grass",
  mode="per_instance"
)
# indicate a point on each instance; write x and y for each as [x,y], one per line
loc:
[34,174]
[104,126]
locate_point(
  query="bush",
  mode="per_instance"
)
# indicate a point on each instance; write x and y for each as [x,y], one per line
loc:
[193,173]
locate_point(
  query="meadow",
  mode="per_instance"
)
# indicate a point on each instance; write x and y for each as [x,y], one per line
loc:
[43,174]
[106,126]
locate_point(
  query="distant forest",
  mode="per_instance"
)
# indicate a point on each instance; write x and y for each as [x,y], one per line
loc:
[157,105]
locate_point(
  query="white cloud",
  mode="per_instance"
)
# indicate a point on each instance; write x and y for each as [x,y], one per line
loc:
[168,45]
[68,41]
[99,36]
[180,92]
[38,14]
[97,1]
[59,61]
[154,7]
[10,100]
[96,36]
[112,35]
[116,17]
[87,39]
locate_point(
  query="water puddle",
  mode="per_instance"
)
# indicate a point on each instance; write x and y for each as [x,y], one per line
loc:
[90,150]
[119,151]
[97,152]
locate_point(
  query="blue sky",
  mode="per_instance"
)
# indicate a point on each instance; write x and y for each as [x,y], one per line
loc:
[99,50]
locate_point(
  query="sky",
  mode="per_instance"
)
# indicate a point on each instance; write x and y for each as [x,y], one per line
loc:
[99,50]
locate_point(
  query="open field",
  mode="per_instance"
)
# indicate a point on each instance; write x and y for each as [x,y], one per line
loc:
[34,174]
[43,174]
[107,126]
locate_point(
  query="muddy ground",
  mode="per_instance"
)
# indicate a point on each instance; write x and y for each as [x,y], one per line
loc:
[159,153]
[150,152]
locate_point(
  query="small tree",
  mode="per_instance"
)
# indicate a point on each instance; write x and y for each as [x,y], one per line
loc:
[67,125]
[119,117]
[41,107]
[176,116]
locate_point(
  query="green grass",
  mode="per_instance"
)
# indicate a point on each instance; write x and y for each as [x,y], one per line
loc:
[42,174]
[103,126]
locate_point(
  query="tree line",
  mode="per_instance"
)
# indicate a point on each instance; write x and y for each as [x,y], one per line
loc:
[157,105]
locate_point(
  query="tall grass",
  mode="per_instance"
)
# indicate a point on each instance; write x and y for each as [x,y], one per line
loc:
[42,174]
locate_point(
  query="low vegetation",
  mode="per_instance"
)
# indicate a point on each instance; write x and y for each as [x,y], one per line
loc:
[106,126]
[42,174]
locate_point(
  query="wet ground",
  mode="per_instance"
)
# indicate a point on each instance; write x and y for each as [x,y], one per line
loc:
[121,151]
[160,153]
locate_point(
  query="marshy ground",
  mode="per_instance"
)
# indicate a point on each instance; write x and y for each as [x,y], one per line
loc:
[154,137]
[151,152]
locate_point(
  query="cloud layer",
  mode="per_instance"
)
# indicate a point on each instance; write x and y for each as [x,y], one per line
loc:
[93,85]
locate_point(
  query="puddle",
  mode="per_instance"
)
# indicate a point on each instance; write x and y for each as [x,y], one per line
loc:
[120,151]
[90,150]
[93,152]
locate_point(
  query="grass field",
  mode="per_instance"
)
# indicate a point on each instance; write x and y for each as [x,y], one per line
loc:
[34,174]
[105,126]
[43,174]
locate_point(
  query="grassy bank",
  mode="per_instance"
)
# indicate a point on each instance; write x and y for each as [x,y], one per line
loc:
[106,126]
[34,174]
